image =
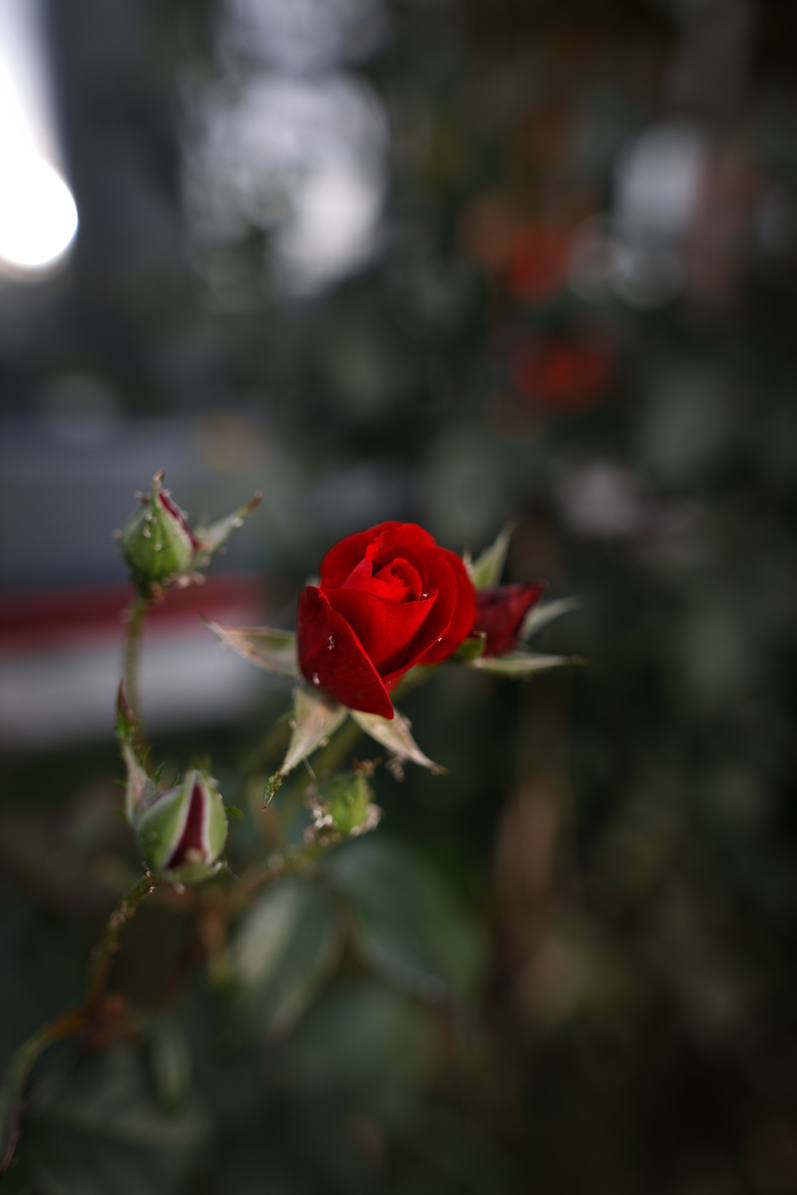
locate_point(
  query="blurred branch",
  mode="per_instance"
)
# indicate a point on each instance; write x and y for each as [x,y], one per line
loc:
[102,956]
[67,1023]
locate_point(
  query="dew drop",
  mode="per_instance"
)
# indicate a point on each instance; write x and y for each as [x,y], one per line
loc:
[316,680]
[147,533]
[330,643]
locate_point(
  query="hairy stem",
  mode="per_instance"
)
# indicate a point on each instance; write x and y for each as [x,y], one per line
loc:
[136,616]
[107,947]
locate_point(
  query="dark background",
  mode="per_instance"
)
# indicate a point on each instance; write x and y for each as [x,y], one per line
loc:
[576,309]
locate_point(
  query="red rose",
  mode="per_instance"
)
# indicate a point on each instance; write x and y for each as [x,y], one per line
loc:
[500,613]
[389,598]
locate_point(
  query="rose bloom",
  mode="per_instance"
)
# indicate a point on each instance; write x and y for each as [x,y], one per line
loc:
[389,598]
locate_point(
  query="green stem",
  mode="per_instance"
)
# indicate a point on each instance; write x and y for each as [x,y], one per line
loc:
[102,957]
[136,616]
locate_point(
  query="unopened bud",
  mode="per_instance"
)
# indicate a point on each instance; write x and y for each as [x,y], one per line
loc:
[157,542]
[343,805]
[182,833]
[160,547]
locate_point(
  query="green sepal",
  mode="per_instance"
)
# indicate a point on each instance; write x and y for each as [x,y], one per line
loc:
[316,717]
[520,664]
[544,612]
[270,649]
[395,734]
[212,536]
[486,571]
[471,648]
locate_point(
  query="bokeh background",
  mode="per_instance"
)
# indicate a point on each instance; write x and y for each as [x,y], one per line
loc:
[455,262]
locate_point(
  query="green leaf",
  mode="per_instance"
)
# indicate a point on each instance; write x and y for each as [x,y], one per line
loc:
[285,945]
[170,1055]
[235,812]
[315,718]
[100,1130]
[362,1044]
[519,664]
[273,650]
[396,736]
[407,925]
[486,571]
[544,612]
[212,536]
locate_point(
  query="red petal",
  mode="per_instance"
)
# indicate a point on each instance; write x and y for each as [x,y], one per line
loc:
[463,613]
[398,580]
[346,555]
[191,847]
[387,630]
[500,613]
[331,655]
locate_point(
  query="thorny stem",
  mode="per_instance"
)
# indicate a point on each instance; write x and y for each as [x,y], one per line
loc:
[136,616]
[107,947]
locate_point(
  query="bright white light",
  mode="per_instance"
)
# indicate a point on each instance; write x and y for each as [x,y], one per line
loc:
[659,180]
[38,216]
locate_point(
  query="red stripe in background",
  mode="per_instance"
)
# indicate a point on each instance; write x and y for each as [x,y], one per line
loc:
[57,617]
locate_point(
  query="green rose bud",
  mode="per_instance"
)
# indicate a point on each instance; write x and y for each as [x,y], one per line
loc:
[157,542]
[160,547]
[182,831]
[343,806]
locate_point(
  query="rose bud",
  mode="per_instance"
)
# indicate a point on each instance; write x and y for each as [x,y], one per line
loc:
[161,548]
[343,805]
[182,833]
[500,613]
[157,542]
[389,598]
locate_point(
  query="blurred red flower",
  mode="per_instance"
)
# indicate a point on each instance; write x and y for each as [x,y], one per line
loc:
[553,372]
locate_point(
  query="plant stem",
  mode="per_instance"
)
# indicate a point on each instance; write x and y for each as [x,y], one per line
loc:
[136,616]
[17,1072]
[106,948]
[72,1020]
